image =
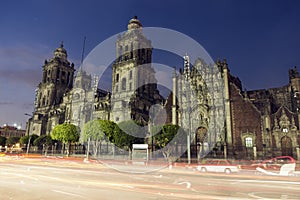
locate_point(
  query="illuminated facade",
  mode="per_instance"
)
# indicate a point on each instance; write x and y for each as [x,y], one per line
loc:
[250,124]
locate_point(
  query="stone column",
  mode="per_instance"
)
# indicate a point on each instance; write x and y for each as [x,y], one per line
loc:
[227,108]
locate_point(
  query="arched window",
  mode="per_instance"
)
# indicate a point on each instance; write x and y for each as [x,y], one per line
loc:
[124,84]
[130,86]
[44,101]
[248,142]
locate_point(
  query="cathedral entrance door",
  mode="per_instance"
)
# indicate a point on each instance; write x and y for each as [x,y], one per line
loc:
[286,146]
[201,135]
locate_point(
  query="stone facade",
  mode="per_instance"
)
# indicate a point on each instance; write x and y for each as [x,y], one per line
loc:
[264,123]
[57,81]
[58,100]
[134,87]
[206,100]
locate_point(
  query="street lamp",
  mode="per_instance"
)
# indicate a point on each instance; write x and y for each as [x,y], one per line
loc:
[190,108]
[28,144]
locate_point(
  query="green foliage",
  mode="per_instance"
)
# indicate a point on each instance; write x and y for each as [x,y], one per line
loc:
[2,141]
[43,140]
[123,135]
[128,133]
[66,133]
[12,140]
[24,139]
[167,138]
[97,130]
[165,135]
[33,137]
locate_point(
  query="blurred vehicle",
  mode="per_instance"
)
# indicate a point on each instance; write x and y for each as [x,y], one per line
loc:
[218,165]
[281,165]
[2,149]
[15,149]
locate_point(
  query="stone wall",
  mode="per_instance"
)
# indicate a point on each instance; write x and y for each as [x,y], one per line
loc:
[246,122]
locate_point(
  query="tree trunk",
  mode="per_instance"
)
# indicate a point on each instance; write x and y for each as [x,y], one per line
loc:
[95,147]
[68,149]
[129,154]
[46,150]
[63,149]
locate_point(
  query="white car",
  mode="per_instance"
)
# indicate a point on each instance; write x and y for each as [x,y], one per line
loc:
[218,165]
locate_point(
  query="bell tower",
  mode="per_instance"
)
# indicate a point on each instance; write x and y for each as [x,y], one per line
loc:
[57,80]
[134,87]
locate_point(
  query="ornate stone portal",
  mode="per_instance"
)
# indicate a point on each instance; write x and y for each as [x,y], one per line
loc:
[199,98]
[284,133]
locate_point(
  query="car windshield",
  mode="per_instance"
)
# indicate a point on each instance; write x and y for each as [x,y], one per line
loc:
[223,162]
[283,160]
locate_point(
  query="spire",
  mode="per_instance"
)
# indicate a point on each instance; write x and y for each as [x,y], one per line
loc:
[82,56]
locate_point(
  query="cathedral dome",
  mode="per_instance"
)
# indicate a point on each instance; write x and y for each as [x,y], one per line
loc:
[60,52]
[134,23]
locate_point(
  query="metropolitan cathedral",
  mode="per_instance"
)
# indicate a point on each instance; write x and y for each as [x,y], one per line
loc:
[247,124]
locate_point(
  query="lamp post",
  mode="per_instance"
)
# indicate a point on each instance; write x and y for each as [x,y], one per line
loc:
[186,111]
[28,144]
[189,137]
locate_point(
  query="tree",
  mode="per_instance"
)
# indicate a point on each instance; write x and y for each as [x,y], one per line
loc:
[44,141]
[24,140]
[66,133]
[167,138]
[97,131]
[2,141]
[12,140]
[128,133]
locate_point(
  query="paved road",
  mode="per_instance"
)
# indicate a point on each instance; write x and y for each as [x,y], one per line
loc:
[39,179]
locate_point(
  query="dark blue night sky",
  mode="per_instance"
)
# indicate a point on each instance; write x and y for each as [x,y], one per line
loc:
[260,39]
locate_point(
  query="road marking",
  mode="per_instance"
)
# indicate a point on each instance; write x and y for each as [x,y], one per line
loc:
[49,177]
[262,181]
[282,196]
[20,175]
[67,193]
[188,184]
